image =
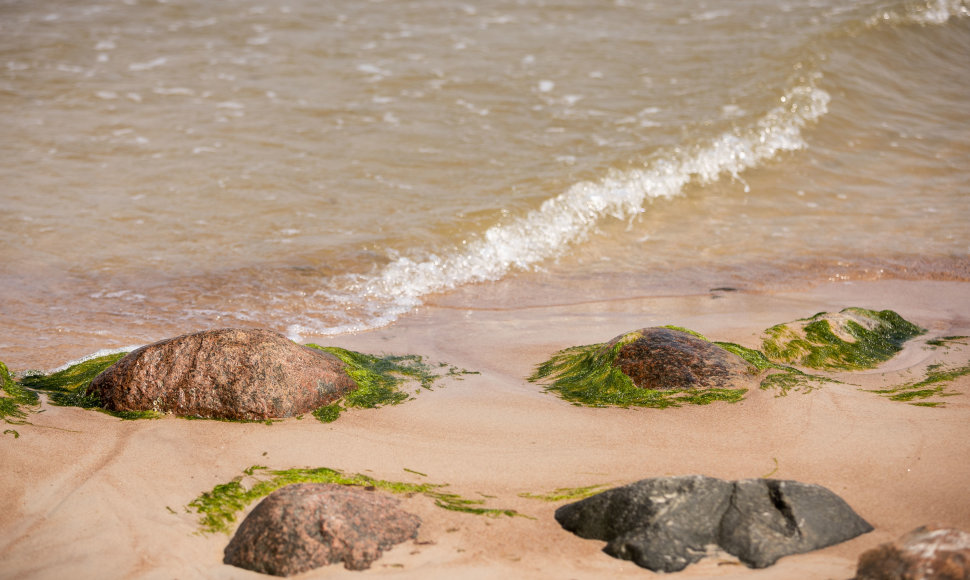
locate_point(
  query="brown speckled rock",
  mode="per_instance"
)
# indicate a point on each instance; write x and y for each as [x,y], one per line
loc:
[664,358]
[307,525]
[926,553]
[225,374]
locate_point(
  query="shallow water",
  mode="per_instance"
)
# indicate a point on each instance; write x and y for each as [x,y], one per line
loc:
[319,168]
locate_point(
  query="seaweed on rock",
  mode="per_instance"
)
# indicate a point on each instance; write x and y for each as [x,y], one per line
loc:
[586,375]
[779,377]
[852,339]
[379,379]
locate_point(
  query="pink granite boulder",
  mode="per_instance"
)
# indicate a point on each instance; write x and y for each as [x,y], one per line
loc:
[239,374]
[307,525]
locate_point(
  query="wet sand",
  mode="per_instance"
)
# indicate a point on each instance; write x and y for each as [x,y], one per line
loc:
[90,496]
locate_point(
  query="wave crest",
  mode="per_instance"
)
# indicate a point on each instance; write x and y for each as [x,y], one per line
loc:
[571,216]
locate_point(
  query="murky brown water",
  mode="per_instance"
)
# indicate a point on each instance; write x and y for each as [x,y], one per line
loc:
[323,167]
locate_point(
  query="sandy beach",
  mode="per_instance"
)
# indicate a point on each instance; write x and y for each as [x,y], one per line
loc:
[86,495]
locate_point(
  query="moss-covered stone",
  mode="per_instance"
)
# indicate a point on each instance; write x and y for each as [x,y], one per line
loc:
[219,507]
[588,375]
[381,381]
[852,339]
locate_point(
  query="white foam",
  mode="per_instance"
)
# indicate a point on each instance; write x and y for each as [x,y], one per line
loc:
[571,216]
[142,66]
[932,12]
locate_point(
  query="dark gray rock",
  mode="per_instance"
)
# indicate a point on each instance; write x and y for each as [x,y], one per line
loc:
[926,553]
[661,524]
[307,525]
[665,524]
[770,518]
[225,374]
[664,358]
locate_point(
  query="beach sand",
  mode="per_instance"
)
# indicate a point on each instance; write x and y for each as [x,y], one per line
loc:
[86,495]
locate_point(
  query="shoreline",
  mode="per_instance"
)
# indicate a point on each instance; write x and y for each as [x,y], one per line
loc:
[87,492]
[94,324]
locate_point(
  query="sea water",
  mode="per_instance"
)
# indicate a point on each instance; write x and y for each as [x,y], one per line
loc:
[327,167]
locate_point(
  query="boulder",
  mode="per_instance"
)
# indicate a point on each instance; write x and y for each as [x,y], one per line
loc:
[226,374]
[661,524]
[665,358]
[851,339]
[926,553]
[307,525]
[665,524]
[770,518]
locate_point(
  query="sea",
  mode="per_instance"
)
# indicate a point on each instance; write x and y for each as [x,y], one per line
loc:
[325,168]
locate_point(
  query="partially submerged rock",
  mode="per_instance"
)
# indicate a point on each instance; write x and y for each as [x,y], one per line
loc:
[665,524]
[852,339]
[304,526]
[926,553]
[226,374]
[653,367]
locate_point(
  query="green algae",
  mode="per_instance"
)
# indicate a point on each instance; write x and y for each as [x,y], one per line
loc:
[15,401]
[219,507]
[585,375]
[379,379]
[328,413]
[67,387]
[773,471]
[687,330]
[782,378]
[860,339]
[566,493]
[945,341]
[934,385]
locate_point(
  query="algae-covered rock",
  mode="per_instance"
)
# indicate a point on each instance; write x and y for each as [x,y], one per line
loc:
[852,339]
[216,366]
[665,358]
[239,374]
[651,367]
